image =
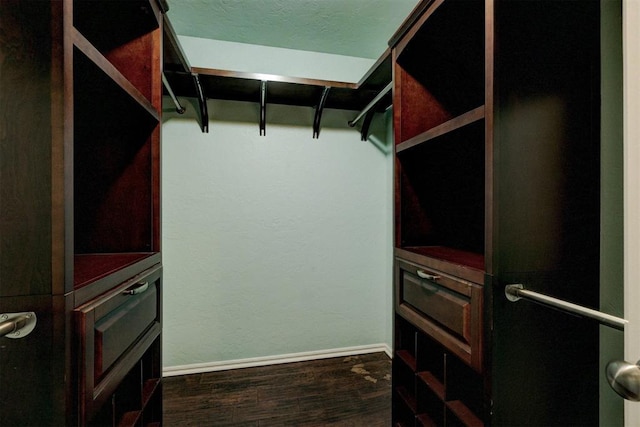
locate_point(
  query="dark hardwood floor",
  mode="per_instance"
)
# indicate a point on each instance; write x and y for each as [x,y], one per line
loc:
[346,391]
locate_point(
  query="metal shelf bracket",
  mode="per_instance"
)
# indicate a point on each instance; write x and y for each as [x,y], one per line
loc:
[263,108]
[318,116]
[204,113]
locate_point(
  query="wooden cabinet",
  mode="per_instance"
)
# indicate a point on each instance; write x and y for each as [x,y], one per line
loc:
[80,102]
[439,133]
[119,351]
[496,118]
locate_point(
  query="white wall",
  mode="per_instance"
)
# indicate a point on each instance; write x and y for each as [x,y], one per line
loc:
[274,244]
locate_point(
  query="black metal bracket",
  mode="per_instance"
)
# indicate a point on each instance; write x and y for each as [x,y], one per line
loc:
[368,118]
[263,108]
[369,109]
[204,113]
[319,109]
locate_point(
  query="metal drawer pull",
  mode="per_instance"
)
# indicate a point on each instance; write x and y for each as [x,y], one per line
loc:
[516,291]
[136,289]
[17,325]
[424,275]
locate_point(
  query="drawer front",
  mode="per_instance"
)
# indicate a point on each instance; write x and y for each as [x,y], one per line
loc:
[447,308]
[113,332]
[116,331]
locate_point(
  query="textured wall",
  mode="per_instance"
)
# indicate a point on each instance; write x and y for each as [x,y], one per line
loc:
[273,244]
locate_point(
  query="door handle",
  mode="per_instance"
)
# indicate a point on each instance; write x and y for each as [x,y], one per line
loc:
[17,325]
[624,379]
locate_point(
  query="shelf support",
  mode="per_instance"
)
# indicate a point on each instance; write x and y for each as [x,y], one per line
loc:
[179,108]
[319,109]
[263,108]
[364,132]
[204,113]
[371,104]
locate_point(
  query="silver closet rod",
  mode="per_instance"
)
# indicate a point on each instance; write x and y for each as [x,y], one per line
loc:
[516,292]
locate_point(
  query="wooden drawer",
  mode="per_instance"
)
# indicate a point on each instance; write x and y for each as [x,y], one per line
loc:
[114,330]
[117,330]
[447,308]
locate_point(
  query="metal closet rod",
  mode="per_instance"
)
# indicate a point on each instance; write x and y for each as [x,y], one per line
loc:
[516,292]
[179,108]
[370,105]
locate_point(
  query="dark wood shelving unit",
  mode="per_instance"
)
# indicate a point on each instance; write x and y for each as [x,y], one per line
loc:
[88,73]
[484,102]
[117,97]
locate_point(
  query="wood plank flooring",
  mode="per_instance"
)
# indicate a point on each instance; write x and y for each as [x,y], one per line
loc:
[349,391]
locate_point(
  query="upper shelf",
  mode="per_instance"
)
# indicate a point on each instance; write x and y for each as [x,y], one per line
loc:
[182,80]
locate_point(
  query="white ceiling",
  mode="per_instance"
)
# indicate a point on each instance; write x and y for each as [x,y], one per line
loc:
[359,28]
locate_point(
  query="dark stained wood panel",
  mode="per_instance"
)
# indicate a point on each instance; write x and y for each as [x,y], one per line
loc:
[25,148]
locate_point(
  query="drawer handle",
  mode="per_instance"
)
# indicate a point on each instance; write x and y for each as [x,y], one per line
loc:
[424,275]
[137,289]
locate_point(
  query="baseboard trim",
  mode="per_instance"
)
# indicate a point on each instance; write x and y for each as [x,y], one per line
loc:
[199,368]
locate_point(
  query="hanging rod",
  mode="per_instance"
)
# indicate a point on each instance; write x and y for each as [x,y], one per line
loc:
[179,108]
[516,292]
[369,106]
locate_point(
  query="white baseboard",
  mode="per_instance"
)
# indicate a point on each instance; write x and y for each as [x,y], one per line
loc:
[199,368]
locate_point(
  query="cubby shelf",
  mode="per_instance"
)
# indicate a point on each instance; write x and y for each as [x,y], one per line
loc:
[432,387]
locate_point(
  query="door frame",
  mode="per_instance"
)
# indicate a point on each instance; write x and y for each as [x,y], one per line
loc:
[631,67]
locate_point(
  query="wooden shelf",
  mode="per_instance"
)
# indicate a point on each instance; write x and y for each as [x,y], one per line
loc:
[425,421]
[112,73]
[440,192]
[407,398]
[407,358]
[97,273]
[433,384]
[439,65]
[464,414]
[446,127]
[286,90]
[132,418]
[89,268]
[455,261]
[148,390]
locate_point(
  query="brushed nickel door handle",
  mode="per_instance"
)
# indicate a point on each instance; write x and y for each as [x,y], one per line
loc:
[624,379]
